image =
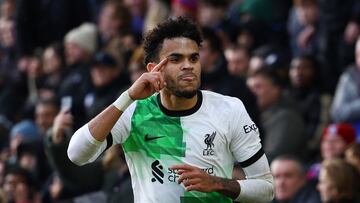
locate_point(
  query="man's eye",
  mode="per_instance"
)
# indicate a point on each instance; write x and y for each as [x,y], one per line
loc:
[174,59]
[194,59]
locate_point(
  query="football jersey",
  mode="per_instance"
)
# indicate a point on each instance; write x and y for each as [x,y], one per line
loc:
[212,135]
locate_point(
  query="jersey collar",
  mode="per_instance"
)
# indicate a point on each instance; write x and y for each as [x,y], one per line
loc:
[187,112]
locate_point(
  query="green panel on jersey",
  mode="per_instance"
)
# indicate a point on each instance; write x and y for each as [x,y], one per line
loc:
[200,197]
[153,132]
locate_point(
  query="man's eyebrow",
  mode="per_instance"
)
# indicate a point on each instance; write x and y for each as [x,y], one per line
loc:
[180,55]
[175,55]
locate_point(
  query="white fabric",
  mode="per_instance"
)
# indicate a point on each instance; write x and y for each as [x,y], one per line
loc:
[83,147]
[259,183]
[123,101]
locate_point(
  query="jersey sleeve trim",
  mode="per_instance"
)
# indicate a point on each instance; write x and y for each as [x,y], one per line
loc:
[252,159]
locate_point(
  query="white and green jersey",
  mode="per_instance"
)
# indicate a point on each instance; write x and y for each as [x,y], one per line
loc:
[212,135]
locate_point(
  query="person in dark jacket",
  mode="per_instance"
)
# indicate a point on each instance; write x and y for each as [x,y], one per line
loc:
[290,182]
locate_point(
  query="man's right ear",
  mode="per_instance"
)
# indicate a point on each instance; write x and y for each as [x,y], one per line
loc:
[150,66]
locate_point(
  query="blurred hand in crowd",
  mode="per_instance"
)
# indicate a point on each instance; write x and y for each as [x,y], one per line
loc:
[64,120]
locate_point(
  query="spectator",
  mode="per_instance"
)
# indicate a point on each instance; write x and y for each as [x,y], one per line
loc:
[336,138]
[338,30]
[283,126]
[115,30]
[138,10]
[290,182]
[136,64]
[19,186]
[238,59]
[303,27]
[45,112]
[73,180]
[305,92]
[352,156]
[80,44]
[346,103]
[54,71]
[108,80]
[338,182]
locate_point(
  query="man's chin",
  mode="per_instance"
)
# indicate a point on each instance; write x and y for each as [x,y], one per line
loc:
[188,94]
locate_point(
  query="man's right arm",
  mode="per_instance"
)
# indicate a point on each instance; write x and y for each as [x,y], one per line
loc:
[88,142]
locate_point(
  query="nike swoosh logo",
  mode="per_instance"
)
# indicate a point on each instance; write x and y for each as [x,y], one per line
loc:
[149,137]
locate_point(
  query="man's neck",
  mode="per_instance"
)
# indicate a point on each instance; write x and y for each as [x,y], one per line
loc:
[175,103]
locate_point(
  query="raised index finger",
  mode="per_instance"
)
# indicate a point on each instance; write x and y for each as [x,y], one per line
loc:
[159,66]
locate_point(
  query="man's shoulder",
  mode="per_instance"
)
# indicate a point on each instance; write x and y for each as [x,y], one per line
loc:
[220,100]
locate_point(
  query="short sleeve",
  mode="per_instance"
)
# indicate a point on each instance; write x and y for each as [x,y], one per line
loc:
[122,127]
[245,139]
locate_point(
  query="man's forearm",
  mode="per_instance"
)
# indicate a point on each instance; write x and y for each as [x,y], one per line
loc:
[227,187]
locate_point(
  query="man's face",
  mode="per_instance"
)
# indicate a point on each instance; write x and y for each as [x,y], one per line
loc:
[301,73]
[238,62]
[182,71]
[288,179]
[265,91]
[102,76]
[332,146]
[108,23]
[44,116]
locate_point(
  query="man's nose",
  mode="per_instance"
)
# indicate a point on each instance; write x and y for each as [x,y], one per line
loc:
[187,65]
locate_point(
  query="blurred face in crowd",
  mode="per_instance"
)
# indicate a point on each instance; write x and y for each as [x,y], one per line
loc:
[102,75]
[45,115]
[209,16]
[51,61]
[357,54]
[352,159]
[207,57]
[332,146]
[301,73]
[109,25]
[308,13]
[35,67]
[7,9]
[326,188]
[238,61]
[28,161]
[74,53]
[136,70]
[288,178]
[265,91]
[182,70]
[7,33]
[12,181]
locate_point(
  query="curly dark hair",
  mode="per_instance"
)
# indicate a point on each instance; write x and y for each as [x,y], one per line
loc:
[169,29]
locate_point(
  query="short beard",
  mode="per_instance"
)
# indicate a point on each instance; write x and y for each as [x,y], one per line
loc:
[185,94]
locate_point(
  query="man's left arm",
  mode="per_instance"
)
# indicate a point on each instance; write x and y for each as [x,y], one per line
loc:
[257,187]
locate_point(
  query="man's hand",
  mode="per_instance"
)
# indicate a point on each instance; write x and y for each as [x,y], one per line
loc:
[148,83]
[62,121]
[194,178]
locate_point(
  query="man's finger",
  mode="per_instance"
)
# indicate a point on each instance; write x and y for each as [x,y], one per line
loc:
[159,66]
[185,167]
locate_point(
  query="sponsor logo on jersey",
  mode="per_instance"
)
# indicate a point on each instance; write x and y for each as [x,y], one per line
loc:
[172,175]
[156,170]
[151,137]
[249,128]
[209,141]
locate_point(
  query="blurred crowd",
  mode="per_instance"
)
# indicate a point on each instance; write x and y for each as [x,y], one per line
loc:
[294,64]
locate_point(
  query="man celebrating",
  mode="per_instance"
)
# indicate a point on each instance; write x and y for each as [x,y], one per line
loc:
[180,143]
